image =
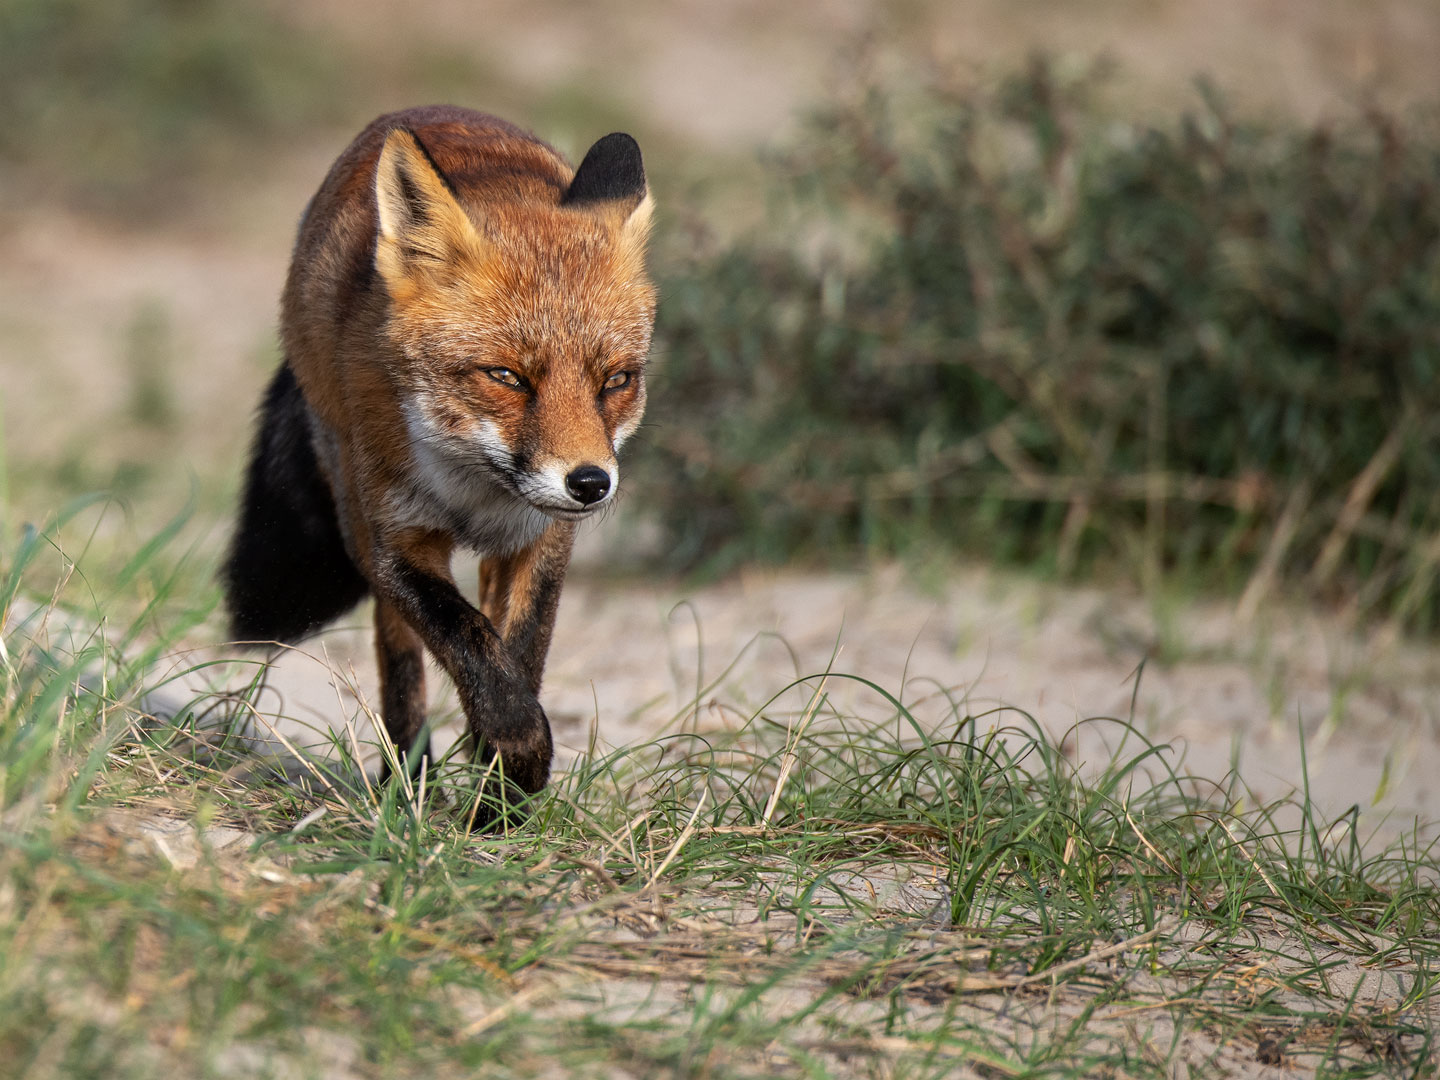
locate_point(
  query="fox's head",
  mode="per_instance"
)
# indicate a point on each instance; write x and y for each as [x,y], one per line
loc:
[520,323]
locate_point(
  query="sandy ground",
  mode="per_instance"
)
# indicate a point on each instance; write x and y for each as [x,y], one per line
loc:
[628,659]
[647,966]
[733,71]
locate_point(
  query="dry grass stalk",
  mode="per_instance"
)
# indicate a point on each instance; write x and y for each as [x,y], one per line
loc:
[790,758]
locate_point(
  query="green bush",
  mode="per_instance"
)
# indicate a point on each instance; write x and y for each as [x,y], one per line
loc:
[1019,328]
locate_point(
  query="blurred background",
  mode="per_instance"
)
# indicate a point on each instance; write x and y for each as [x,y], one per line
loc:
[1133,287]
[1134,301]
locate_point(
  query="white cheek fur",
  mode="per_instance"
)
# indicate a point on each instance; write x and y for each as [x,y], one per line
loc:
[623,432]
[492,443]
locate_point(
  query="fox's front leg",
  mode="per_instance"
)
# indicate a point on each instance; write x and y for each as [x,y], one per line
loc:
[401,656]
[501,708]
[521,593]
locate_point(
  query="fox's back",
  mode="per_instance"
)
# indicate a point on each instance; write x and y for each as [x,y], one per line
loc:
[483,158]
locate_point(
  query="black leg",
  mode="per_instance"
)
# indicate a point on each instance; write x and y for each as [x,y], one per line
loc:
[501,709]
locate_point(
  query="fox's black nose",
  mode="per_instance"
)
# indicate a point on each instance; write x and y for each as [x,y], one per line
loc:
[588,484]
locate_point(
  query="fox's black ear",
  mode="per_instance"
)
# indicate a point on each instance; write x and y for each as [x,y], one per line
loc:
[611,172]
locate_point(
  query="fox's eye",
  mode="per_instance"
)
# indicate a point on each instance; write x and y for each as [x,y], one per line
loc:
[504,375]
[616,381]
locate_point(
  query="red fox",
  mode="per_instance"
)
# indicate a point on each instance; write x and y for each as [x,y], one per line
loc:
[465,328]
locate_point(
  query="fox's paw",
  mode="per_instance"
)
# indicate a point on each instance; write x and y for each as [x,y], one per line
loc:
[511,770]
[513,728]
[525,764]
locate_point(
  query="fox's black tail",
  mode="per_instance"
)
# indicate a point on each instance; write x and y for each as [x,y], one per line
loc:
[287,574]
